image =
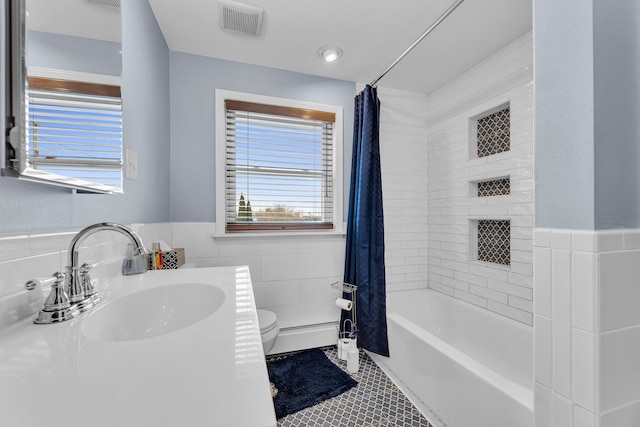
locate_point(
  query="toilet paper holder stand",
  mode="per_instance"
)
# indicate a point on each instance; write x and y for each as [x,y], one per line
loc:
[347,288]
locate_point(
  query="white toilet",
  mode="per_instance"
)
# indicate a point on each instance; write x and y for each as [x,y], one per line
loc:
[269,329]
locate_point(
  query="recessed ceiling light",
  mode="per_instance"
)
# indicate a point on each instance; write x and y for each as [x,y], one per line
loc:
[330,53]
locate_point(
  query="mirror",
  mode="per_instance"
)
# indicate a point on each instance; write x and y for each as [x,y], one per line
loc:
[66,103]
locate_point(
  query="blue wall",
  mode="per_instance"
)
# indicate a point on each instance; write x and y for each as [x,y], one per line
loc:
[587,91]
[564,141]
[169,101]
[63,52]
[27,206]
[146,127]
[616,30]
[194,80]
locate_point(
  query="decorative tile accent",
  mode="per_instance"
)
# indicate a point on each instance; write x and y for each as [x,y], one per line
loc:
[495,187]
[493,134]
[494,241]
[375,401]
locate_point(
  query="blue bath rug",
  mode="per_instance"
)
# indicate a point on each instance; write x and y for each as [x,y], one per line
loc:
[305,379]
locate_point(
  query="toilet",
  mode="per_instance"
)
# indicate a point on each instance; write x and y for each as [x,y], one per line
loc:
[269,329]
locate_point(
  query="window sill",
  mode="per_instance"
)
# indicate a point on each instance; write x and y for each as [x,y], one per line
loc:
[278,234]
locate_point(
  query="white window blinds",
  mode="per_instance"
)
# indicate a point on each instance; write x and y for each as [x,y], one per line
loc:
[279,167]
[75,134]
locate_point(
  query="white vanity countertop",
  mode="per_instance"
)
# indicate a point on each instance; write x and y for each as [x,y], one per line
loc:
[211,373]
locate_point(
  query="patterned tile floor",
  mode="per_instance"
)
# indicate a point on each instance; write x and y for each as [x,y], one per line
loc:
[374,402]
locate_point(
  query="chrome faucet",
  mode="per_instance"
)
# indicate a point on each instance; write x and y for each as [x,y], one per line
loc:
[79,285]
[72,292]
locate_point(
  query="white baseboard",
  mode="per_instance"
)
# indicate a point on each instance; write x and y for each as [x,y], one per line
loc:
[304,337]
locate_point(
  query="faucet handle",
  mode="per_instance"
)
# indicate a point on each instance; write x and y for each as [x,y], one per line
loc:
[58,298]
[57,306]
[85,280]
[41,283]
[91,265]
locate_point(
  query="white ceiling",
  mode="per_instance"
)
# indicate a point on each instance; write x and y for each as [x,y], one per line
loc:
[372,34]
[74,18]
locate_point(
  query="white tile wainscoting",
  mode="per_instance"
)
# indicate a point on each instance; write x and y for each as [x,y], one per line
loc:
[403,156]
[291,275]
[587,328]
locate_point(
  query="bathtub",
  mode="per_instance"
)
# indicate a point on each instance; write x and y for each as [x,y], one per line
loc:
[460,365]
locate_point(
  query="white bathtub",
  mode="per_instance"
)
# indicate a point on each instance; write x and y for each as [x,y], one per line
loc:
[461,365]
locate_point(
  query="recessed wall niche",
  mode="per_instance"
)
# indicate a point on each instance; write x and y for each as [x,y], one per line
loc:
[490,187]
[491,241]
[490,132]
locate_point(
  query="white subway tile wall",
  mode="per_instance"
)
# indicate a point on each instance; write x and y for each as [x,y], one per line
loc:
[403,152]
[505,78]
[587,330]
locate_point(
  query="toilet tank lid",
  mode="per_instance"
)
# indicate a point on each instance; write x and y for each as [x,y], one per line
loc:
[266,319]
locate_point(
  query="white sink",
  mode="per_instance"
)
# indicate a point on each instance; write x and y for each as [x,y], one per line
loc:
[165,348]
[153,312]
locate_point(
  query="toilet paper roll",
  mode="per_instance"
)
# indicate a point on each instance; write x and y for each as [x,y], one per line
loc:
[344,304]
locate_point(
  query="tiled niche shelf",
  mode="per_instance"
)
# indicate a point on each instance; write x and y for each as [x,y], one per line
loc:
[490,132]
[491,187]
[491,241]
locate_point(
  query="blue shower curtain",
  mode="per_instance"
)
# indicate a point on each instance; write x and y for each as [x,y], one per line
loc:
[364,259]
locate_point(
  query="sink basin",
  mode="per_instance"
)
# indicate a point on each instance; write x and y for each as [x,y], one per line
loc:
[153,312]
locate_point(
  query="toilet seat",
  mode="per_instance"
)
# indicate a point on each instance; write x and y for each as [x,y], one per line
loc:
[266,320]
[269,329]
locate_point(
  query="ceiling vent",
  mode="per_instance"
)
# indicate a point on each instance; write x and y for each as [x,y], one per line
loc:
[114,4]
[239,17]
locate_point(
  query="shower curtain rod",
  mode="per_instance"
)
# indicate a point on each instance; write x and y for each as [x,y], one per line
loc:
[419,39]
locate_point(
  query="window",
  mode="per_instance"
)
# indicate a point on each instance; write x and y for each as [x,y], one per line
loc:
[280,167]
[74,134]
